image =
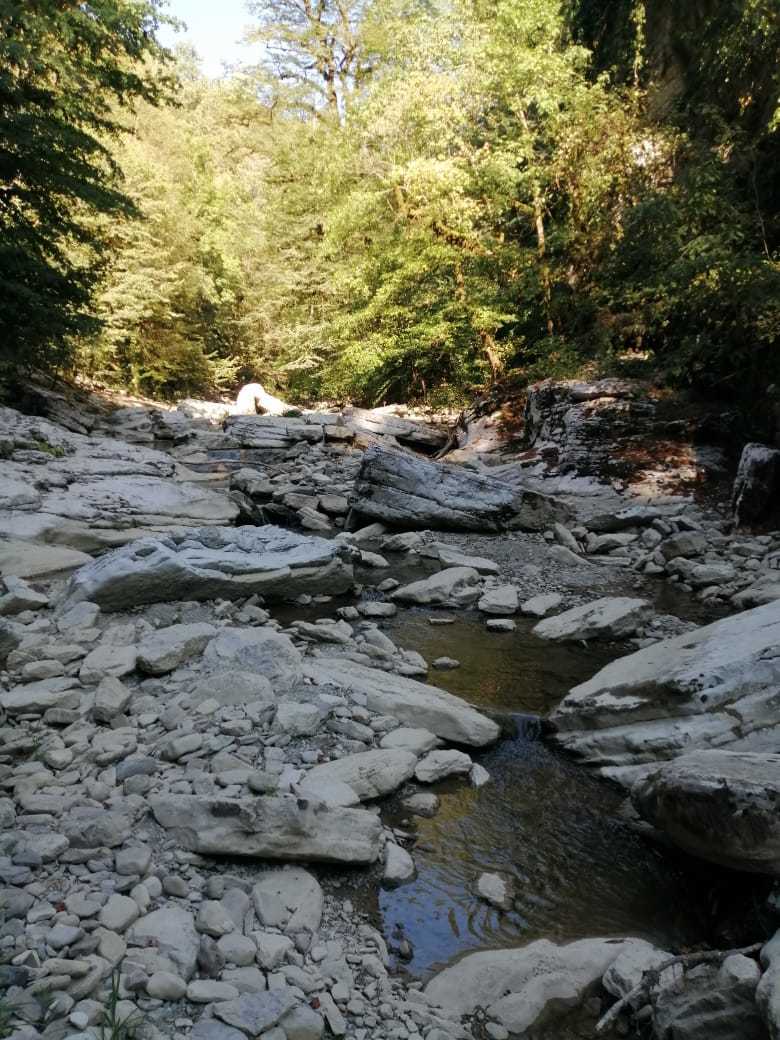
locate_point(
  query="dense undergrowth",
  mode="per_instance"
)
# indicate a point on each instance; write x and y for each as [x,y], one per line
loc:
[404,199]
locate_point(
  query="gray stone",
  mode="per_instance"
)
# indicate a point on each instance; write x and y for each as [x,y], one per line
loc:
[613,617]
[496,890]
[719,805]
[755,494]
[407,491]
[40,696]
[303,1023]
[398,867]
[213,563]
[539,606]
[164,650]
[438,764]
[370,774]
[453,587]
[119,913]
[274,827]
[171,931]
[111,699]
[263,651]
[411,702]
[254,1013]
[289,899]
[502,601]
[716,686]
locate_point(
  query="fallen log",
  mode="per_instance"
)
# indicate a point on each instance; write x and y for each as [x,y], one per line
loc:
[413,493]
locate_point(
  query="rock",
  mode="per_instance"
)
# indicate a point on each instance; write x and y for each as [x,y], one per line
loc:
[213,563]
[290,899]
[211,1029]
[164,650]
[539,606]
[408,432]
[262,651]
[20,596]
[701,575]
[716,686]
[406,491]
[370,774]
[213,919]
[502,601]
[278,828]
[450,556]
[108,660]
[232,688]
[28,559]
[711,1005]
[608,618]
[756,491]
[254,1013]
[205,991]
[767,993]
[423,804]
[399,866]
[302,1023]
[416,740]
[272,433]
[454,587]
[411,702]
[272,949]
[297,719]
[164,985]
[119,913]
[171,931]
[10,638]
[684,543]
[522,987]
[40,696]
[111,699]
[252,399]
[628,969]
[500,625]
[496,890]
[719,805]
[438,764]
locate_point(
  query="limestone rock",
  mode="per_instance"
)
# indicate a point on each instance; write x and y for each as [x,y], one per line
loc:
[398,867]
[276,828]
[755,497]
[453,587]
[438,764]
[171,931]
[411,702]
[501,601]
[164,650]
[407,491]
[261,651]
[613,617]
[212,563]
[290,899]
[370,774]
[714,687]
[719,805]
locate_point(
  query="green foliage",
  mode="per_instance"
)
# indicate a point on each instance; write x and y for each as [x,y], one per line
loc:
[64,70]
[404,198]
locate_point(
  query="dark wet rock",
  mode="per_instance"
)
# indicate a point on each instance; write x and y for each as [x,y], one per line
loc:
[756,496]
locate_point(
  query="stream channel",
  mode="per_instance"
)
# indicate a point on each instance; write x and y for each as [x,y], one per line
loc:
[580,868]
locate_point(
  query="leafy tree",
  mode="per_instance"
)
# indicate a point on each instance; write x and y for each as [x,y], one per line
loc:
[66,67]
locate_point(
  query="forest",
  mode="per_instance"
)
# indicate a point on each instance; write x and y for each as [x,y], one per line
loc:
[398,200]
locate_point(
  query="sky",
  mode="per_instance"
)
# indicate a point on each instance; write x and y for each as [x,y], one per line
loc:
[214,28]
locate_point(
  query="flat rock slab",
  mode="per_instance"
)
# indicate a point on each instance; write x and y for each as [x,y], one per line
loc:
[282,828]
[518,987]
[412,703]
[453,587]
[290,899]
[170,931]
[719,805]
[211,563]
[414,493]
[24,559]
[254,1013]
[715,687]
[612,617]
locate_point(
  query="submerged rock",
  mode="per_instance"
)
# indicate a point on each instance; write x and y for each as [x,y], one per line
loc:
[209,563]
[719,805]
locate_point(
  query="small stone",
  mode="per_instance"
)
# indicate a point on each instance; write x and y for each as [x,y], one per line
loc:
[205,991]
[119,913]
[500,625]
[164,985]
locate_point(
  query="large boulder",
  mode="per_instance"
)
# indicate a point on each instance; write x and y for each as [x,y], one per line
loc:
[756,495]
[282,828]
[261,651]
[613,617]
[211,563]
[521,988]
[719,805]
[408,432]
[718,686]
[411,492]
[272,433]
[412,703]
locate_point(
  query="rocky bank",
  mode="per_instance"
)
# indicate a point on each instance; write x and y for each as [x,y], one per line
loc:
[182,772]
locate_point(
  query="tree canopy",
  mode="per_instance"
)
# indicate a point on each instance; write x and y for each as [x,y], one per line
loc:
[398,198]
